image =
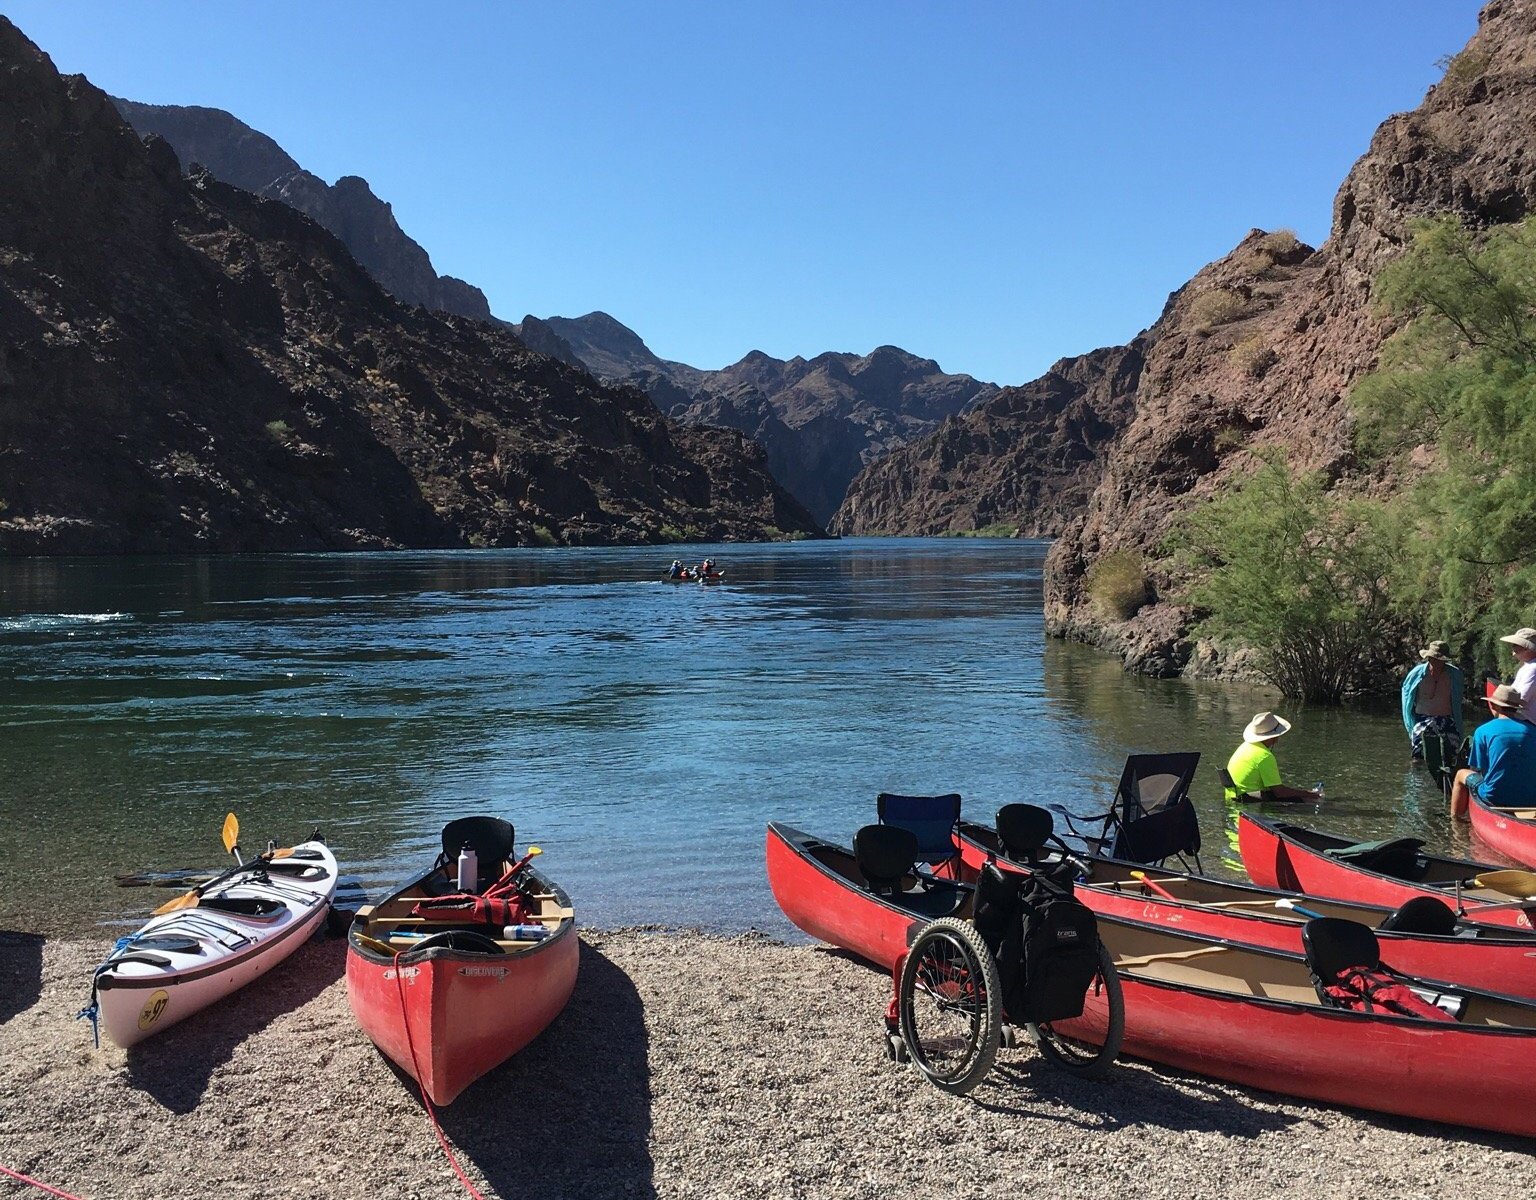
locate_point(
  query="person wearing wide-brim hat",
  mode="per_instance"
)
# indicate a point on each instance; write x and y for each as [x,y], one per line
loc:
[1522,644]
[1432,699]
[1253,767]
[1501,768]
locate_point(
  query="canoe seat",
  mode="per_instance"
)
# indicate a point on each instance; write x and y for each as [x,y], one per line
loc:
[1397,857]
[491,839]
[1344,959]
[1023,829]
[1423,914]
[885,854]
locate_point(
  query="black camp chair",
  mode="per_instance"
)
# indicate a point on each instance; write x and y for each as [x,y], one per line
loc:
[931,820]
[1152,817]
[491,839]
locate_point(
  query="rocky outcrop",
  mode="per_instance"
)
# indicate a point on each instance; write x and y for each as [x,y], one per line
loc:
[1026,459]
[235,153]
[188,367]
[821,420]
[1263,357]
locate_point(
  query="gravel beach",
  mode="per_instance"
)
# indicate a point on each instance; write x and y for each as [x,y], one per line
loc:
[686,1065]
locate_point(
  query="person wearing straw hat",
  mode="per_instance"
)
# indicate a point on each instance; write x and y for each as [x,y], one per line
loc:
[1253,767]
[1502,765]
[1432,697]
[1522,644]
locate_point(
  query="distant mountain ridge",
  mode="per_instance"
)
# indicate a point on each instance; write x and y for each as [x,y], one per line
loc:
[820,420]
[249,159]
[186,367]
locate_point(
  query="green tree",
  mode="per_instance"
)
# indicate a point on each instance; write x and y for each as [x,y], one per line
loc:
[1460,378]
[1298,574]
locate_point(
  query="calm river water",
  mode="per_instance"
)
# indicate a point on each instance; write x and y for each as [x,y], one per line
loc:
[641,733]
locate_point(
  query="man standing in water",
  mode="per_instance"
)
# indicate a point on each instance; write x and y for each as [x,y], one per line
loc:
[1432,701]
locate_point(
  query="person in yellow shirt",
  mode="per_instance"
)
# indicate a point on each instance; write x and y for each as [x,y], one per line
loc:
[1253,767]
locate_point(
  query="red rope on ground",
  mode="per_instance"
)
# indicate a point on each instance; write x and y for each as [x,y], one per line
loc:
[35,1183]
[410,1041]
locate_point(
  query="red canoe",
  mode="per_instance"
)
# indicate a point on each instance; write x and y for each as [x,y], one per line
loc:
[1281,855]
[1253,1016]
[1495,960]
[444,1015]
[820,889]
[1510,831]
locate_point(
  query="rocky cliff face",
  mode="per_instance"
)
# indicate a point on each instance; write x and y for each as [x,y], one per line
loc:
[1259,350]
[1249,359]
[185,366]
[235,153]
[821,420]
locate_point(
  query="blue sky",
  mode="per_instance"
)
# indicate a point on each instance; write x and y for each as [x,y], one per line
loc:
[993,185]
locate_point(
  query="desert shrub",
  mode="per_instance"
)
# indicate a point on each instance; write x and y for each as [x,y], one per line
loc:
[1117,585]
[1302,577]
[1279,243]
[1216,307]
[1465,67]
[1253,357]
[279,431]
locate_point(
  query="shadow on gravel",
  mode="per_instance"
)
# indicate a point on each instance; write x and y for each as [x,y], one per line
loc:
[21,972]
[569,1116]
[1127,1096]
[174,1067]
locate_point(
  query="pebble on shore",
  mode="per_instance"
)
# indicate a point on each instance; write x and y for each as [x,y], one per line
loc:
[687,1065]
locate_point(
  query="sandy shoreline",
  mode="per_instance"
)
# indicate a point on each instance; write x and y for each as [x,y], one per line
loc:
[686,1065]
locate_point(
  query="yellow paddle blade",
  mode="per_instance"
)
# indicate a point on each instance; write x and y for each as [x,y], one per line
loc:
[534,852]
[231,833]
[1520,884]
[185,900]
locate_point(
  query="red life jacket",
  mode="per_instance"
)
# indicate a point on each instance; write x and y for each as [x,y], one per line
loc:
[483,910]
[1361,989]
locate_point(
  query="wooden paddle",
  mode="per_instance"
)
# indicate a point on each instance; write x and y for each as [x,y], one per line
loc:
[1142,960]
[1520,884]
[230,834]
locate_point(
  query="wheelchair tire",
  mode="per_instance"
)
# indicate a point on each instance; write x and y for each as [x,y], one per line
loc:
[950,1005]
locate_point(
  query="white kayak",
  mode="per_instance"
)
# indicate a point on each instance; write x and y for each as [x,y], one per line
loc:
[240,928]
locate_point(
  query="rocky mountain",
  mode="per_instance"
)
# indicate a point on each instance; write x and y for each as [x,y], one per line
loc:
[249,159]
[1259,350]
[821,420]
[185,366]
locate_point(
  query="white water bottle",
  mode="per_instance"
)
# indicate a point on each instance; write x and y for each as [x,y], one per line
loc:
[469,869]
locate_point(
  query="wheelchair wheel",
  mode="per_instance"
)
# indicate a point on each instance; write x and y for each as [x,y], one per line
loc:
[950,1005]
[1094,1041]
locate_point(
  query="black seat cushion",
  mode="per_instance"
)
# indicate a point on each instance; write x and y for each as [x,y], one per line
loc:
[885,853]
[491,839]
[1023,830]
[1422,914]
[1159,835]
[1333,944]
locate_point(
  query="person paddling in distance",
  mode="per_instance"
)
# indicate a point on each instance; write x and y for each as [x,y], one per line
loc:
[1502,768]
[1432,697]
[1522,644]
[1253,766]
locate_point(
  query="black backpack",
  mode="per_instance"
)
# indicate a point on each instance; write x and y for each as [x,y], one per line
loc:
[1046,943]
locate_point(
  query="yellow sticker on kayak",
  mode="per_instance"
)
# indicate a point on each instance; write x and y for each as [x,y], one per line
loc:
[153,1007]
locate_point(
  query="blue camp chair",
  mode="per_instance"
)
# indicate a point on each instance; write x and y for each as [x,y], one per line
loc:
[930,818]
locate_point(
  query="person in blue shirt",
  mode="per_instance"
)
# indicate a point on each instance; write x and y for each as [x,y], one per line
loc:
[1432,701]
[1502,768]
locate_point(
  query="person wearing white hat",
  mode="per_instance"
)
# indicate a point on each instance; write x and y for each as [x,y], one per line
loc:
[1522,644]
[1253,767]
[1502,764]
